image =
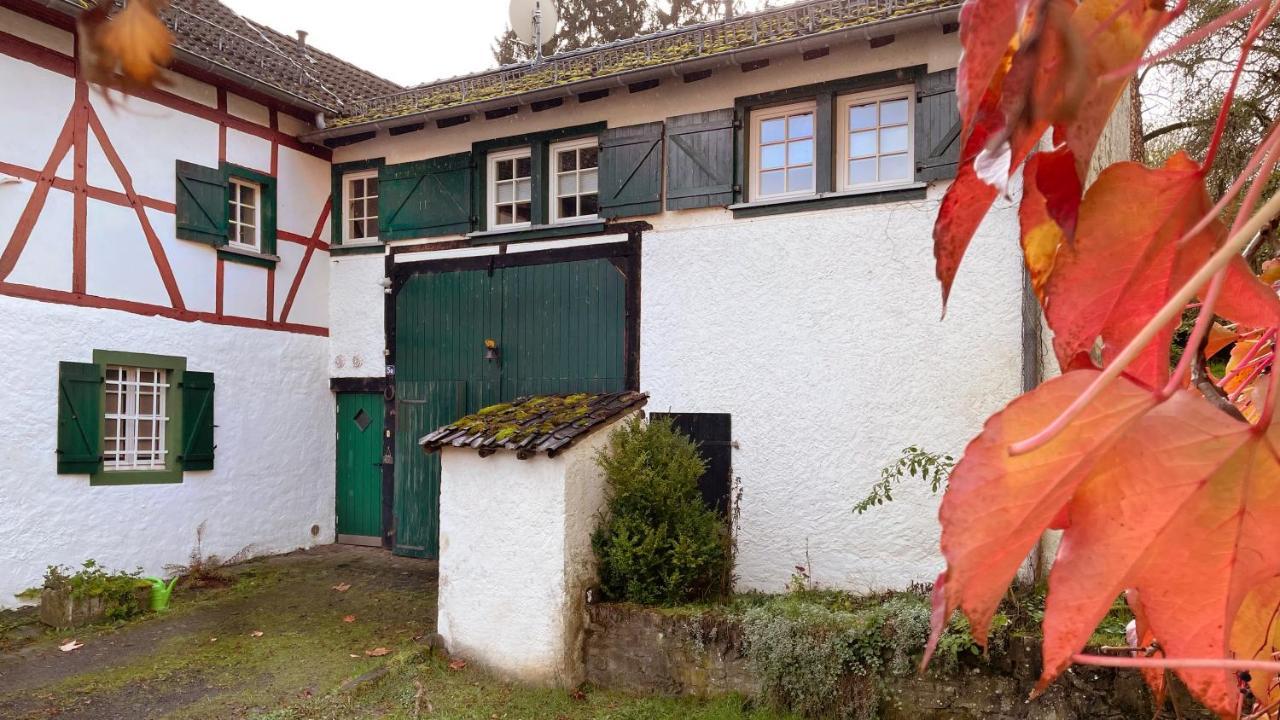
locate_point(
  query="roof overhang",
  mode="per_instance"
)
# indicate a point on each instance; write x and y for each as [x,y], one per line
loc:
[929,18]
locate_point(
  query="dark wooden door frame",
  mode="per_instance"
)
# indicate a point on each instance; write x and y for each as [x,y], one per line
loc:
[625,256]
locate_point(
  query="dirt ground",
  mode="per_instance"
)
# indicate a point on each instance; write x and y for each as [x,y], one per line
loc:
[205,659]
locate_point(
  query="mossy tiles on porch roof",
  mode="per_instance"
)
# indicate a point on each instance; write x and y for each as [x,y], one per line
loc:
[535,423]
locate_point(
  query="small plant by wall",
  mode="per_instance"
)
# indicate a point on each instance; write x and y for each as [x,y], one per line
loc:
[91,594]
[659,543]
[933,468]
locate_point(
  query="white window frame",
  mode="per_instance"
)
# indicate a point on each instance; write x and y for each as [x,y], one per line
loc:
[127,391]
[554,179]
[233,219]
[843,103]
[757,119]
[491,193]
[348,197]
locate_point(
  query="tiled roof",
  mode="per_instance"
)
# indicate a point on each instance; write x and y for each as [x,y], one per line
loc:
[212,31]
[534,424]
[791,22]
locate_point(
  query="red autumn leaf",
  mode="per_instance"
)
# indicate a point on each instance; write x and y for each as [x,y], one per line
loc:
[985,29]
[997,506]
[1245,299]
[1047,215]
[1157,678]
[348,618]
[129,49]
[1256,636]
[1220,336]
[1126,261]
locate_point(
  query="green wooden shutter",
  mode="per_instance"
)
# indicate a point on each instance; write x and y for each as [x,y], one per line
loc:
[700,149]
[201,204]
[79,417]
[631,170]
[937,134]
[197,421]
[425,198]
[268,229]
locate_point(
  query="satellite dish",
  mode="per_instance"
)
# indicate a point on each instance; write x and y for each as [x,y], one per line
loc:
[534,22]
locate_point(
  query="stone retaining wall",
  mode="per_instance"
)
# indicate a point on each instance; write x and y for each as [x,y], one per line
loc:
[642,650]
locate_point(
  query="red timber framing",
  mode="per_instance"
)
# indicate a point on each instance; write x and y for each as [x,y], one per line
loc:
[82,120]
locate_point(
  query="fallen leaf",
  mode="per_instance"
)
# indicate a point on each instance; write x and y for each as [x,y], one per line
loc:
[577,694]
[213,639]
[457,664]
[377,652]
[70,645]
[256,633]
[354,655]
[348,618]
[342,587]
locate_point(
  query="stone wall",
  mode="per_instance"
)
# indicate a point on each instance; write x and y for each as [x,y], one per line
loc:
[643,650]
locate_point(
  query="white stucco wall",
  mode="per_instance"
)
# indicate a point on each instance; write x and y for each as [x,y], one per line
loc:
[273,476]
[357,334]
[516,559]
[820,334]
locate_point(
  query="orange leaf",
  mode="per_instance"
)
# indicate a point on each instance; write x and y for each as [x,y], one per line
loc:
[1220,336]
[134,43]
[457,664]
[1157,678]
[377,652]
[1050,204]
[1245,299]
[342,587]
[348,618]
[1256,636]
[997,506]
[1125,261]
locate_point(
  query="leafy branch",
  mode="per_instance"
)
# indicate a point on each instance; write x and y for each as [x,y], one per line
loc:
[933,468]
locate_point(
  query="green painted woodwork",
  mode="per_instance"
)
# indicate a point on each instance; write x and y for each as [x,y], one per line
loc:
[559,329]
[336,210]
[79,412]
[245,258]
[177,367]
[539,144]
[197,421]
[266,233]
[631,170]
[359,468]
[425,198]
[537,232]
[200,201]
[700,159]
[937,132]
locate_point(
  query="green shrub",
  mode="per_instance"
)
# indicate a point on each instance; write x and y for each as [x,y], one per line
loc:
[659,543]
[118,590]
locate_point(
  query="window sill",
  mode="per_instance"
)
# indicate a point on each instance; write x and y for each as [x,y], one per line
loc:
[362,247]
[536,232]
[823,201]
[248,257]
[135,477]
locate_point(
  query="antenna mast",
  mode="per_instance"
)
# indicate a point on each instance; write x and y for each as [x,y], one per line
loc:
[537,31]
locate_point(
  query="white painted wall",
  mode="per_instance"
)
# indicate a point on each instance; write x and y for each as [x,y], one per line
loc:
[357,334]
[516,560]
[273,476]
[820,334]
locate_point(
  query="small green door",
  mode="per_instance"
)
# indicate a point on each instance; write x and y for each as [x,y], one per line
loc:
[359,472]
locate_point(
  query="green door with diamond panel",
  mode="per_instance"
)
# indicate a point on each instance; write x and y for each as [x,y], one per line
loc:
[359,471]
[556,328]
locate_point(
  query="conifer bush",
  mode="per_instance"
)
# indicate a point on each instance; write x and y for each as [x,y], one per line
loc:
[658,542]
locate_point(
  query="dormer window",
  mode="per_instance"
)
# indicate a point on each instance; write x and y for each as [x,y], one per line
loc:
[511,189]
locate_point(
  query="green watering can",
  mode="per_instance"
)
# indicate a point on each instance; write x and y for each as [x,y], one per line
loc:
[160,593]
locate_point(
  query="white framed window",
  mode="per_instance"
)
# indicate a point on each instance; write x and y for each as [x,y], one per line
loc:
[136,419]
[575,167]
[510,189]
[360,206]
[783,146]
[876,138]
[245,216]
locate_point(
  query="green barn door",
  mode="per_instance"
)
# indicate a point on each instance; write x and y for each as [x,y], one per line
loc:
[359,472]
[559,329]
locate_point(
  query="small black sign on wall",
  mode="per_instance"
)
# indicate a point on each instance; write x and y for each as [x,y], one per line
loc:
[713,434]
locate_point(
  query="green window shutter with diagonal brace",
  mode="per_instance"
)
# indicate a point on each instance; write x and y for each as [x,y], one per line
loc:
[426,198]
[197,421]
[631,170]
[700,157]
[937,134]
[200,200]
[79,417]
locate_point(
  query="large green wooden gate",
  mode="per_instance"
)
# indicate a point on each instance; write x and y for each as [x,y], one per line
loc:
[559,328]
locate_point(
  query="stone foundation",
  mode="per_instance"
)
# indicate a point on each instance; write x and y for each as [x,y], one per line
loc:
[642,650]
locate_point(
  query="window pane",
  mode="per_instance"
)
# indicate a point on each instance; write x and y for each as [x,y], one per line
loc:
[862,144]
[113,402]
[522,167]
[588,181]
[522,212]
[862,171]
[504,215]
[800,178]
[800,152]
[894,167]
[800,125]
[112,427]
[772,183]
[569,207]
[862,117]
[772,156]
[589,157]
[356,209]
[523,189]
[247,195]
[247,235]
[893,139]
[893,112]
[772,130]
[567,184]
[504,169]
[146,404]
[506,192]
[371,187]
[589,204]
[357,228]
[568,160]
